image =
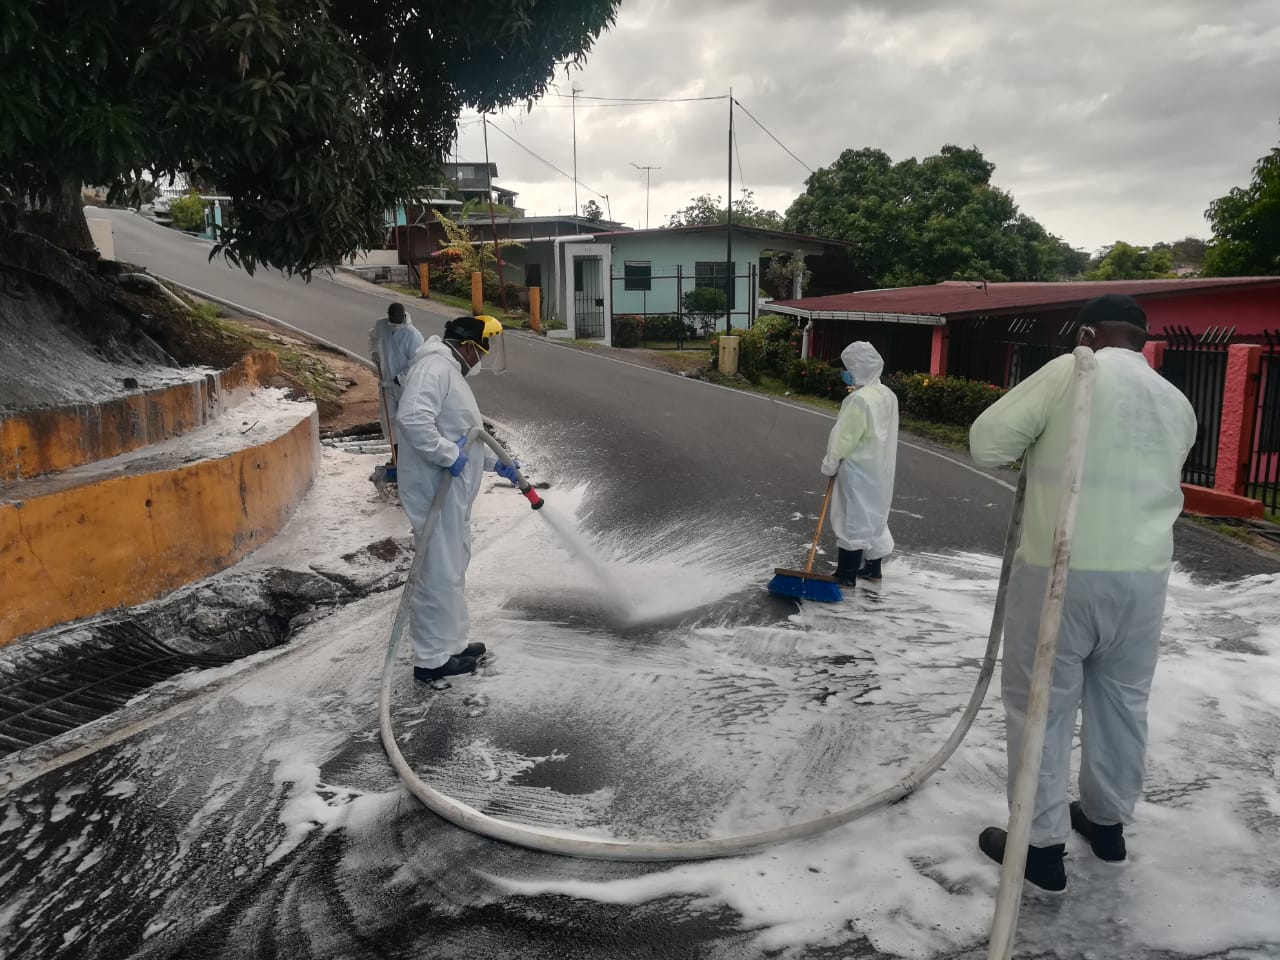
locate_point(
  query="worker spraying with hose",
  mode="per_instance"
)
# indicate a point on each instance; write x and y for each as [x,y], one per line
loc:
[1140,432]
[437,411]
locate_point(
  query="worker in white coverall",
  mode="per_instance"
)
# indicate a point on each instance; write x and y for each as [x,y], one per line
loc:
[1141,430]
[393,341]
[437,409]
[862,455]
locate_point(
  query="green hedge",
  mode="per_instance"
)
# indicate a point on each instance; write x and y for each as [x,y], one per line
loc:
[765,349]
[816,377]
[951,400]
[626,331]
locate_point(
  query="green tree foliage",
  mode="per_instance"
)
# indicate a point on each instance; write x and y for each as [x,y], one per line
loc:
[187,212]
[463,257]
[706,210]
[1187,253]
[923,221]
[1246,225]
[703,306]
[779,279]
[315,116]
[1123,261]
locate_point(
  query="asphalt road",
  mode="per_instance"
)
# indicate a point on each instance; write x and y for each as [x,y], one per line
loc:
[189,814]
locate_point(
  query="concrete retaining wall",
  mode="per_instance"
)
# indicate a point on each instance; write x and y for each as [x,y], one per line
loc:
[35,442]
[132,538]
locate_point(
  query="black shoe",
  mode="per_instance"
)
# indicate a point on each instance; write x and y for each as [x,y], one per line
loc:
[871,571]
[1044,864]
[453,667]
[474,650]
[1107,843]
[847,564]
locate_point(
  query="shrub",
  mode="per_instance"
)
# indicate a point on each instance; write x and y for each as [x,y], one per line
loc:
[626,331]
[816,377]
[953,400]
[704,306]
[667,326]
[767,347]
[187,212]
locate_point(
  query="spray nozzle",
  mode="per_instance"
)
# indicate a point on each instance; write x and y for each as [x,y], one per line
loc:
[531,495]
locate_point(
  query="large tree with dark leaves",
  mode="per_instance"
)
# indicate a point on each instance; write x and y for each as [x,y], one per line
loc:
[1246,225]
[315,116]
[922,221]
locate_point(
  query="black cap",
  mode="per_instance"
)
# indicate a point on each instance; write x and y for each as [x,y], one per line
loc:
[396,313]
[1113,308]
[463,329]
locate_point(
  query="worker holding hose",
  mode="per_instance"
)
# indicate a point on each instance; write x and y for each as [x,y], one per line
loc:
[1141,430]
[862,456]
[437,409]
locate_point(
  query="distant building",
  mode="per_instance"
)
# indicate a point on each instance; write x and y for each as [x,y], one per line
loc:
[471,181]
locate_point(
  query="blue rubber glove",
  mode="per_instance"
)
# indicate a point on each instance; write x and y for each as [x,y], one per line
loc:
[460,464]
[508,472]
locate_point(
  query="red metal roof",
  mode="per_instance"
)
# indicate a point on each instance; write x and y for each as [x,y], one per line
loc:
[953,298]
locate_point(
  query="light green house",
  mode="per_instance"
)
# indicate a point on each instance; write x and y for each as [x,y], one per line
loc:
[589,279]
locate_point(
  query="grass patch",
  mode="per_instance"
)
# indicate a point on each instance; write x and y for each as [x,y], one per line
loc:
[308,371]
[680,360]
[947,434]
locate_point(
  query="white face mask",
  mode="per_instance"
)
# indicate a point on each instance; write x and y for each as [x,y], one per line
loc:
[473,370]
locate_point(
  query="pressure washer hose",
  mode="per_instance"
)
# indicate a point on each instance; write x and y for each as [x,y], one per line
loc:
[565,844]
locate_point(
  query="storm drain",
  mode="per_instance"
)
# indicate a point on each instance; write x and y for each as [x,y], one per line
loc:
[61,689]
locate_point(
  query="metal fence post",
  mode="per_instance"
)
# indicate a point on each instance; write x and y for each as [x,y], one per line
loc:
[680,306]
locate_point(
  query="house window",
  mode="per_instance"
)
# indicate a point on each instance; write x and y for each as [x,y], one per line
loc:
[533,275]
[637,275]
[715,274]
[466,173]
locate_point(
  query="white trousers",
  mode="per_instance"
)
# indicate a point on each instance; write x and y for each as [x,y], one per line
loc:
[1106,657]
[438,620]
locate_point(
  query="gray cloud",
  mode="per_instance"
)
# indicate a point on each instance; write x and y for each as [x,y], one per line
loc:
[1106,121]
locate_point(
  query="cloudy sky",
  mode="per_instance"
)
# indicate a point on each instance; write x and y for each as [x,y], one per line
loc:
[1107,119]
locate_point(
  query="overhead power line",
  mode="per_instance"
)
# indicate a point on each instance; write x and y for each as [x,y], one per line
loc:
[544,160]
[772,137]
[566,96]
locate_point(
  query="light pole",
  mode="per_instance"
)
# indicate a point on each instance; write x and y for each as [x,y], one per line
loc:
[646,189]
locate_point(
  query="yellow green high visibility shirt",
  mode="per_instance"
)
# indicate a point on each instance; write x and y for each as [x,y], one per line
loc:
[1140,432]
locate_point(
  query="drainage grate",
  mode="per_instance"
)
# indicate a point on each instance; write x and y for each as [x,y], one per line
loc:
[60,689]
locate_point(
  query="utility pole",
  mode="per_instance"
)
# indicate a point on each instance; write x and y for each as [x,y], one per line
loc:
[493,223]
[577,211]
[728,233]
[646,190]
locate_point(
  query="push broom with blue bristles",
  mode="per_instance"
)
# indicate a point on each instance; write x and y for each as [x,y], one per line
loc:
[805,584]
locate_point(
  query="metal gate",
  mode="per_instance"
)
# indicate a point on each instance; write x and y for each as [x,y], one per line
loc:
[1197,365]
[1263,480]
[588,298]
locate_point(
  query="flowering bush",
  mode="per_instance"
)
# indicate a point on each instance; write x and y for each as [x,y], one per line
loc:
[942,399]
[626,331]
[765,349]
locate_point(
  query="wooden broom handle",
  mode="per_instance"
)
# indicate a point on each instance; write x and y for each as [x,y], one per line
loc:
[813,550]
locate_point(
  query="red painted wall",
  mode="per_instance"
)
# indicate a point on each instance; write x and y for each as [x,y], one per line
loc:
[1249,311]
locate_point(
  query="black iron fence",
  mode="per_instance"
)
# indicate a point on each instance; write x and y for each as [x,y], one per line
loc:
[1262,482]
[1197,365]
[1005,351]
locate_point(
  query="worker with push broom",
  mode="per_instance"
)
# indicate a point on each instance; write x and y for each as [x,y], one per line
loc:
[861,459]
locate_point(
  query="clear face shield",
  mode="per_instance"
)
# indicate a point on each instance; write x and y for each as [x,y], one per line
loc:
[494,357]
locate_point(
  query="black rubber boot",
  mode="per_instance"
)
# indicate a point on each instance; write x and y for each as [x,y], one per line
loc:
[1107,843]
[1044,868]
[453,667]
[475,650]
[847,564]
[871,571]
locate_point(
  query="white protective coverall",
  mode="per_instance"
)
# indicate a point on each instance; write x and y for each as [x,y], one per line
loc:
[1141,430]
[437,407]
[392,345]
[862,454]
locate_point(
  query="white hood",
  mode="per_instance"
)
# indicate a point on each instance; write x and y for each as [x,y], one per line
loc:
[863,362]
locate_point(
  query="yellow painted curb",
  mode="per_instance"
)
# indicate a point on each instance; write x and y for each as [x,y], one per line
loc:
[35,442]
[132,538]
